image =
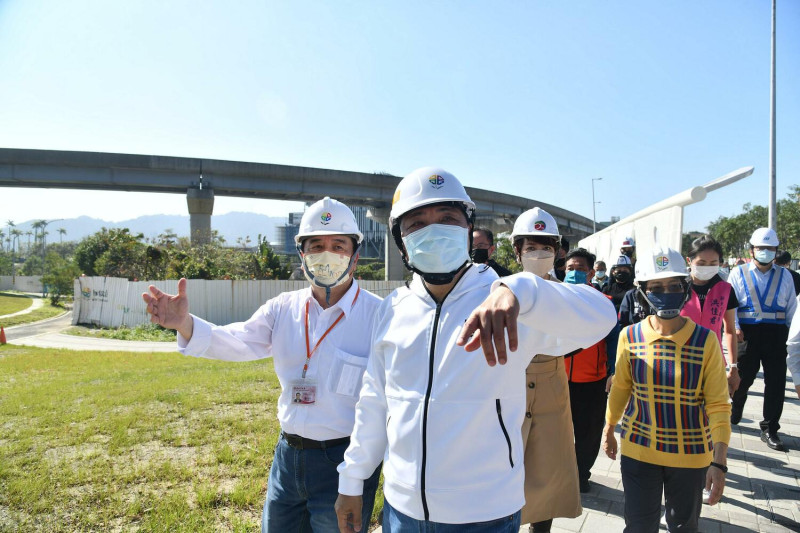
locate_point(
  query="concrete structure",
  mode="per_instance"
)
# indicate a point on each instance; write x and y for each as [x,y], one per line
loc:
[143,173]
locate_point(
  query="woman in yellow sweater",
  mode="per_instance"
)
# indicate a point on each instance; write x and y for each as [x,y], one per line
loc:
[671,384]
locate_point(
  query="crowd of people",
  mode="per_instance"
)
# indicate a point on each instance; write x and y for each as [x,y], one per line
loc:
[484,397]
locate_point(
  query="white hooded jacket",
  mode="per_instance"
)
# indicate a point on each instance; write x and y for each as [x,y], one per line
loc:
[447,425]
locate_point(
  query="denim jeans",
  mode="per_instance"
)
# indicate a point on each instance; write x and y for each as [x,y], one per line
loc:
[303,486]
[396,522]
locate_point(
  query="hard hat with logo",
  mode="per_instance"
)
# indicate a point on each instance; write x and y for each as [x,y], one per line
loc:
[535,222]
[764,237]
[328,217]
[622,261]
[663,263]
[426,186]
[627,242]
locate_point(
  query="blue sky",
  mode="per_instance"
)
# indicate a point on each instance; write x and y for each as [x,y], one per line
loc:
[531,98]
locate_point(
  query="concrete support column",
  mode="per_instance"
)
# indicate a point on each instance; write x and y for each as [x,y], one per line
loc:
[201,205]
[393,263]
[395,269]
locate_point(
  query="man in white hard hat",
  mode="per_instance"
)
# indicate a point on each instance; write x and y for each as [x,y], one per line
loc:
[627,247]
[319,340]
[766,306]
[446,423]
[621,280]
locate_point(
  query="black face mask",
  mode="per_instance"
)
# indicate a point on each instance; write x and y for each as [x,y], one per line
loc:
[622,277]
[627,252]
[561,274]
[479,255]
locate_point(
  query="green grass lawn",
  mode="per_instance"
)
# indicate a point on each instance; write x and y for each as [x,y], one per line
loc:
[11,303]
[142,332]
[119,441]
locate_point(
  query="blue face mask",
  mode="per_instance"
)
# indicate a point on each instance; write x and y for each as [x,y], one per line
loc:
[576,277]
[667,304]
[438,248]
[764,256]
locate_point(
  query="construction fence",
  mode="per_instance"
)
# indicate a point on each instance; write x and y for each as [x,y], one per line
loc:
[115,302]
[21,283]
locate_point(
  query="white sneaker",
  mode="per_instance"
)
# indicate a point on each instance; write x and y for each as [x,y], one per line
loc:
[706,495]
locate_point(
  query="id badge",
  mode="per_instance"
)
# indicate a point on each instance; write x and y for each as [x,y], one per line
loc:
[304,391]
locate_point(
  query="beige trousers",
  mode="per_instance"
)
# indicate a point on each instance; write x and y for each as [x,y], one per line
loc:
[551,471]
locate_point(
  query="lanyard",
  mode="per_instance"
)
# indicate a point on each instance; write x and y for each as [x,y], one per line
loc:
[309,351]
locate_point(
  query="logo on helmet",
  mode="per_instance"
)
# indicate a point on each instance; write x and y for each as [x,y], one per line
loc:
[436,181]
[539,225]
[662,262]
[325,218]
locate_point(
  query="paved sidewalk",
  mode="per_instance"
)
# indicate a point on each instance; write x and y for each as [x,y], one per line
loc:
[763,486]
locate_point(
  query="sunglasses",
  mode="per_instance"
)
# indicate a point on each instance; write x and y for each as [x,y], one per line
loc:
[674,287]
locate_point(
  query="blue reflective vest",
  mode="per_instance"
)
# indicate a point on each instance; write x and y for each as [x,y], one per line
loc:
[763,309]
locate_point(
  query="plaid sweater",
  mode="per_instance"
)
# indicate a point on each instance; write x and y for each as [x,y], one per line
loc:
[674,393]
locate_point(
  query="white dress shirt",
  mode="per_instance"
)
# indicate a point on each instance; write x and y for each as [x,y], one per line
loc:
[277,330]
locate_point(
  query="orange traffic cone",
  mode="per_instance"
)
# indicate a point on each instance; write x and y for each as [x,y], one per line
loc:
[2,335]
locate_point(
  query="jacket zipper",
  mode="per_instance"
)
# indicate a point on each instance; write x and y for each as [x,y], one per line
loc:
[505,431]
[431,356]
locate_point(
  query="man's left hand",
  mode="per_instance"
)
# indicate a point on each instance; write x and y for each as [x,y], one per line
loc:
[348,513]
[492,319]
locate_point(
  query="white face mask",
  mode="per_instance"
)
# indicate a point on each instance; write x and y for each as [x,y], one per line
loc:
[437,248]
[538,262]
[704,273]
[326,269]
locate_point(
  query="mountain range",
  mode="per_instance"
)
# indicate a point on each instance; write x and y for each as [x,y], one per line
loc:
[232,226]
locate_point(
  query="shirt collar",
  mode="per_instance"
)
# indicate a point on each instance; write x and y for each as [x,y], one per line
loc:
[679,337]
[752,266]
[345,303]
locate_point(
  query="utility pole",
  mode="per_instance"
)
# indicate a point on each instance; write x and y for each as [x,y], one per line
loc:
[773,216]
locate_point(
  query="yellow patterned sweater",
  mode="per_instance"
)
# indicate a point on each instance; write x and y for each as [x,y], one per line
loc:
[674,393]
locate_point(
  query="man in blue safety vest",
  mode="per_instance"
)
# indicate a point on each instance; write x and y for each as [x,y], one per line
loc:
[766,306]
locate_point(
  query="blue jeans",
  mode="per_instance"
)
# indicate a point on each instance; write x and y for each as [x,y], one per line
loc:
[396,522]
[303,486]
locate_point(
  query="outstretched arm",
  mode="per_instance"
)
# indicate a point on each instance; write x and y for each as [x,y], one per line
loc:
[170,311]
[493,318]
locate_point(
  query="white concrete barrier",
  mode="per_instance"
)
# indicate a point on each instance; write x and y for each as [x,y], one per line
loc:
[115,302]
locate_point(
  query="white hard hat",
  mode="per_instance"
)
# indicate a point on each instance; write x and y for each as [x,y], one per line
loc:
[535,222]
[328,217]
[425,186]
[627,242]
[623,260]
[764,237]
[663,263]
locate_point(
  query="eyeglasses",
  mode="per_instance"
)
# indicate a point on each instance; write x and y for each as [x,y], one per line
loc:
[670,287]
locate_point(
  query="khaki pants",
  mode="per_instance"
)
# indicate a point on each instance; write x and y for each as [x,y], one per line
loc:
[551,471]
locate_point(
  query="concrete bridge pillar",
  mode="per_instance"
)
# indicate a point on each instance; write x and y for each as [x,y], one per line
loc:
[394,268]
[201,205]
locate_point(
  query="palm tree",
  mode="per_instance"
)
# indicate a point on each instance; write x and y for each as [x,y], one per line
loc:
[2,235]
[10,225]
[29,233]
[61,233]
